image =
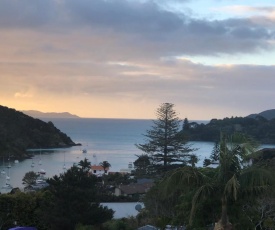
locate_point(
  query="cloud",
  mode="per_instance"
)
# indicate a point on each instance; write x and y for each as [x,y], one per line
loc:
[26,13]
[139,23]
[115,52]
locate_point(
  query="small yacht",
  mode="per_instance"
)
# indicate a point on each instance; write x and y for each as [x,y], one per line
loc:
[7,185]
[64,165]
[3,172]
[40,161]
[42,171]
[9,164]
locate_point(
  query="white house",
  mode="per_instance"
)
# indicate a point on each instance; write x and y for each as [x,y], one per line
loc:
[98,170]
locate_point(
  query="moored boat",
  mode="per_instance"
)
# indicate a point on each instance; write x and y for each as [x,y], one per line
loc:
[42,171]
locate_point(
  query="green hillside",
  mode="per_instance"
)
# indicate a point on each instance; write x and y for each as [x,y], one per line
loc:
[260,128]
[267,114]
[19,132]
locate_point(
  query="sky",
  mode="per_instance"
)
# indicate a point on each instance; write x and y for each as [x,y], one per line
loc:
[123,58]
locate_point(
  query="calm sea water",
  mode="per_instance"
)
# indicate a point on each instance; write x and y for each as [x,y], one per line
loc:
[111,140]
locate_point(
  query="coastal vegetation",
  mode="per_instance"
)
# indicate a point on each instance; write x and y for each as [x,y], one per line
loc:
[166,146]
[233,194]
[233,190]
[19,132]
[258,127]
[70,200]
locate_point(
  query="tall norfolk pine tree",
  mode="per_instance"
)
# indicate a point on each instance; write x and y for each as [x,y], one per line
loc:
[165,143]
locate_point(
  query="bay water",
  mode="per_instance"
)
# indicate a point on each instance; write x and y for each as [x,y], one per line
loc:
[111,140]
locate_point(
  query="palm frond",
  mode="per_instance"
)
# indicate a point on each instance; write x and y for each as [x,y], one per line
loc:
[231,187]
[255,180]
[183,178]
[201,193]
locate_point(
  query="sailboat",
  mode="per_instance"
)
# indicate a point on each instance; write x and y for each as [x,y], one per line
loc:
[42,172]
[40,161]
[3,172]
[64,165]
[32,165]
[7,184]
[9,164]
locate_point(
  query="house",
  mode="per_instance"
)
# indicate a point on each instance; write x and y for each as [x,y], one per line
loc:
[98,170]
[133,189]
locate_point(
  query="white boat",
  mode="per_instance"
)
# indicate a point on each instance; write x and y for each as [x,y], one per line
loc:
[42,171]
[7,185]
[16,161]
[40,181]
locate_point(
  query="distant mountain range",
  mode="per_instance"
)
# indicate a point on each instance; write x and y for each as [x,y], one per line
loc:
[267,114]
[38,114]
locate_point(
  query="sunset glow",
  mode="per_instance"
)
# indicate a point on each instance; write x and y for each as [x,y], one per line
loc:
[123,58]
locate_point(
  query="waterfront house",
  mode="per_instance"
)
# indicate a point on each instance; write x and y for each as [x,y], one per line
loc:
[98,170]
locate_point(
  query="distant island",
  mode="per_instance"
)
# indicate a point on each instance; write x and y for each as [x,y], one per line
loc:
[38,114]
[19,132]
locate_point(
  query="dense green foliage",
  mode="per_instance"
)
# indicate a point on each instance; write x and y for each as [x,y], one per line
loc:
[30,178]
[165,144]
[74,200]
[235,191]
[261,129]
[142,166]
[19,132]
[70,199]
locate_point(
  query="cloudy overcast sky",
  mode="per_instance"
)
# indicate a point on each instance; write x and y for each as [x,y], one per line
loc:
[123,58]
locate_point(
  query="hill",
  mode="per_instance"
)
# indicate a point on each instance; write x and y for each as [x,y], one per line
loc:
[38,114]
[259,128]
[19,132]
[267,114]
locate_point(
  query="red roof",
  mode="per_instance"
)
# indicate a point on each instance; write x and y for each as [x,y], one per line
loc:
[98,167]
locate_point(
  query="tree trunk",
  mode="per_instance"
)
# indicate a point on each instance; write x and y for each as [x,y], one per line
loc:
[219,226]
[223,223]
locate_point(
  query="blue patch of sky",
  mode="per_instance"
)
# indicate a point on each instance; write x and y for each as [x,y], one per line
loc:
[213,9]
[221,10]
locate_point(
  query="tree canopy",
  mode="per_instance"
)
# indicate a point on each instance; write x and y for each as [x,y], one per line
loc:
[74,200]
[210,193]
[30,178]
[165,144]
